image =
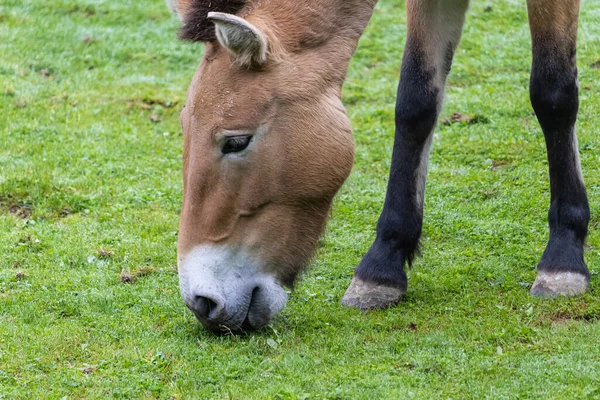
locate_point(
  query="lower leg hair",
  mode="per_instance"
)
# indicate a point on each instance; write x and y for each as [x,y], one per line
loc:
[399,226]
[434,29]
[554,96]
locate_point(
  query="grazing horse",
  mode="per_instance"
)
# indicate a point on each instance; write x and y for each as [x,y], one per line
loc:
[267,144]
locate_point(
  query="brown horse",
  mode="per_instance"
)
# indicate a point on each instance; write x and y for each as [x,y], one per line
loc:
[267,144]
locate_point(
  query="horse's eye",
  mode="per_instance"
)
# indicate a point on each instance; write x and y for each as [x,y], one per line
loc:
[235,144]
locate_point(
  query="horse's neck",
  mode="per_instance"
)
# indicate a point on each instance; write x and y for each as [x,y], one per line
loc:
[306,24]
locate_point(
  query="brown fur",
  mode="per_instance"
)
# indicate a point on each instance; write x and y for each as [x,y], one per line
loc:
[275,200]
[434,30]
[553,25]
[553,19]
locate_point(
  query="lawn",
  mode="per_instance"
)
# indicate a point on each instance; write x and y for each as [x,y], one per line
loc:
[90,193]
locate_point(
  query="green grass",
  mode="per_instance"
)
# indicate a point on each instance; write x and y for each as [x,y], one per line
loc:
[90,186]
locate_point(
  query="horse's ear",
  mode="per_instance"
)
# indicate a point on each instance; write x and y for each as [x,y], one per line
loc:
[242,39]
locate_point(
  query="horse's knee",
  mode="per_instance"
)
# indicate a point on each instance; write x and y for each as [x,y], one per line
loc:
[416,111]
[419,98]
[554,93]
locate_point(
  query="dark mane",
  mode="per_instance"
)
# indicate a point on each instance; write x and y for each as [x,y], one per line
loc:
[196,27]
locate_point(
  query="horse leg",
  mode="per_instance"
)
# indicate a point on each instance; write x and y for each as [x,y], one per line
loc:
[554,96]
[434,28]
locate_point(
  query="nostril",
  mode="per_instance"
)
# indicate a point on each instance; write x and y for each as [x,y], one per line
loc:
[255,298]
[203,306]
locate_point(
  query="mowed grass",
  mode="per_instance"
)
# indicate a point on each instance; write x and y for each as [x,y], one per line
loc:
[90,193]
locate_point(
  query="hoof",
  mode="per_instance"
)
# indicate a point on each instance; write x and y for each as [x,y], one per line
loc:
[367,295]
[553,284]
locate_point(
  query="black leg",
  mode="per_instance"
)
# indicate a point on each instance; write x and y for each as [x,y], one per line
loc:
[554,96]
[433,33]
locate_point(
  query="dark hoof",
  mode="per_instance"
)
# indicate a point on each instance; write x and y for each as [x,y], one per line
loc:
[367,295]
[553,284]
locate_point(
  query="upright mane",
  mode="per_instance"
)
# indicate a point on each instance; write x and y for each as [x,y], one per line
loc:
[196,27]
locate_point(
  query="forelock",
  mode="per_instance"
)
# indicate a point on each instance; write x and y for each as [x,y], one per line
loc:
[196,27]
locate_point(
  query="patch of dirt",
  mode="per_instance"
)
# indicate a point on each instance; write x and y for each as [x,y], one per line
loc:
[87,11]
[126,277]
[20,275]
[154,118]
[130,277]
[457,117]
[88,370]
[88,39]
[485,195]
[143,271]
[65,212]
[105,253]
[47,74]
[582,314]
[405,365]
[498,164]
[595,64]
[148,103]
[562,318]
[164,103]
[21,210]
